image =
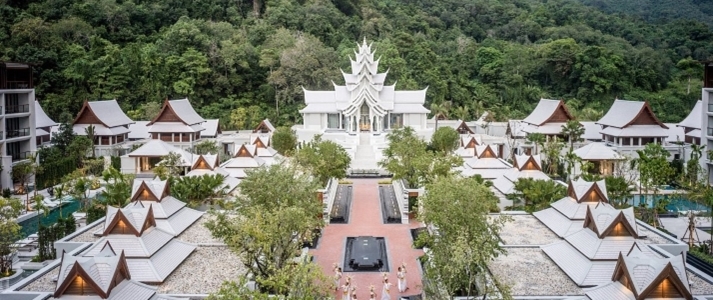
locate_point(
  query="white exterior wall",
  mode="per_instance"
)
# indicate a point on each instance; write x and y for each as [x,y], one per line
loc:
[129,165]
[314,121]
[707,131]
[26,120]
[416,121]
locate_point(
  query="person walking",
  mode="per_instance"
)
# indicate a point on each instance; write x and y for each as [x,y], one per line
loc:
[337,277]
[354,294]
[372,294]
[346,288]
[385,292]
[401,276]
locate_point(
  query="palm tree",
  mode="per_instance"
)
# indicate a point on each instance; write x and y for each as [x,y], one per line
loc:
[462,113]
[41,208]
[571,159]
[573,130]
[89,131]
[440,110]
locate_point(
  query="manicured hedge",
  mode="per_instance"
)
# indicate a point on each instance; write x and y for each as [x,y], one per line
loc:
[53,171]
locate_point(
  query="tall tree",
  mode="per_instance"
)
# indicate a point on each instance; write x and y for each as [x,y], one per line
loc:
[573,130]
[445,140]
[324,159]
[118,187]
[467,239]
[284,140]
[440,110]
[276,210]
[535,194]
[538,139]
[89,132]
[654,171]
[9,233]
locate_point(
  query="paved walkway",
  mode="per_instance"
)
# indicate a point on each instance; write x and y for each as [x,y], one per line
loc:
[365,220]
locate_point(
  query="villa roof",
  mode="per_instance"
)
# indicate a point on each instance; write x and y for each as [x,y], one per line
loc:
[604,219]
[149,189]
[597,151]
[139,130]
[174,127]
[212,128]
[640,275]
[133,219]
[531,162]
[485,151]
[264,126]
[151,240]
[591,131]
[583,271]
[579,189]
[558,222]
[163,209]
[178,111]
[107,113]
[205,161]
[99,129]
[506,182]
[159,148]
[693,120]
[549,111]
[41,118]
[99,274]
[260,141]
[486,163]
[470,141]
[624,113]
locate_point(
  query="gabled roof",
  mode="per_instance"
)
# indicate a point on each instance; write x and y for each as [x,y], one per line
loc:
[265,127]
[486,163]
[694,119]
[260,141]
[527,162]
[107,113]
[245,151]
[212,128]
[131,220]
[559,223]
[604,220]
[139,130]
[159,148]
[549,111]
[642,274]
[178,111]
[150,189]
[485,151]
[597,151]
[205,161]
[41,118]
[144,246]
[588,191]
[161,210]
[624,113]
[99,274]
[463,128]
[470,141]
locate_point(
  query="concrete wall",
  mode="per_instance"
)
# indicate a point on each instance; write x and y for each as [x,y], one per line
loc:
[129,165]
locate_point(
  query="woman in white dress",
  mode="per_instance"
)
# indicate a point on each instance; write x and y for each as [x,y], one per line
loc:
[402,279]
[345,289]
[385,293]
[372,295]
[337,277]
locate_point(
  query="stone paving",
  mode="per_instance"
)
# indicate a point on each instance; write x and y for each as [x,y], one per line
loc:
[516,270]
[526,230]
[365,220]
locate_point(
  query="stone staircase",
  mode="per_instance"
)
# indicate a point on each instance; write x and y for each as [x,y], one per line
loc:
[364,158]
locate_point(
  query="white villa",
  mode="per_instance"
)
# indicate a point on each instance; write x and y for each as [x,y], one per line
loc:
[548,118]
[178,124]
[364,103]
[110,123]
[632,124]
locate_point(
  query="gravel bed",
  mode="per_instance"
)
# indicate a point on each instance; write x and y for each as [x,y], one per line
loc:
[529,272]
[198,233]
[88,235]
[526,230]
[44,283]
[203,272]
[652,237]
[698,285]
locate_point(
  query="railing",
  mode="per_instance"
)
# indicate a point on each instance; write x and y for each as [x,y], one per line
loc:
[17,85]
[330,193]
[16,109]
[20,155]
[13,133]
[402,199]
[2,135]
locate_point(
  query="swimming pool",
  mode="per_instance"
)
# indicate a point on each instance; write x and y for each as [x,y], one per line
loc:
[677,205]
[29,226]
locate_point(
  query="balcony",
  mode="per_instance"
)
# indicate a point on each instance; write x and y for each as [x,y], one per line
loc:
[14,133]
[20,155]
[16,109]
[18,85]
[709,131]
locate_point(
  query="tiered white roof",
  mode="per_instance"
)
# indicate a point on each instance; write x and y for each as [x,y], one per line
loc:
[42,120]
[106,116]
[693,120]
[597,151]
[641,275]
[527,162]
[208,165]
[264,127]
[212,128]
[177,116]
[139,130]
[548,117]
[252,156]
[632,119]
[159,148]
[567,215]
[104,276]
[364,85]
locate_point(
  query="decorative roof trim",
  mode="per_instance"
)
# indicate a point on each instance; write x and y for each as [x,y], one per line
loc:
[646,108]
[83,110]
[166,105]
[143,187]
[240,150]
[201,158]
[464,127]
[529,159]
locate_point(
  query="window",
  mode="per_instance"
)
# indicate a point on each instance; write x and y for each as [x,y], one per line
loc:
[333,121]
[385,122]
[397,121]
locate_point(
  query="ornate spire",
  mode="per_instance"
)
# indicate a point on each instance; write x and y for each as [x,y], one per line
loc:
[364,83]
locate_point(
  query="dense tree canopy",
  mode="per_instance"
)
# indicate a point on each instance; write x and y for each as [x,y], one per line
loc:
[242,61]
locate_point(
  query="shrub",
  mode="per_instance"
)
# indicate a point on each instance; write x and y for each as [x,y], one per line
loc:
[6,193]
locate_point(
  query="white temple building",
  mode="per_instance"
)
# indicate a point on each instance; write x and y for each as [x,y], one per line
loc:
[365,103]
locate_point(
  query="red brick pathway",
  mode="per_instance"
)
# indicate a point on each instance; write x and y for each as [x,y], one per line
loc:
[365,220]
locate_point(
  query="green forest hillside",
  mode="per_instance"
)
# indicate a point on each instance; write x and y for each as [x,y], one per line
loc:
[659,10]
[242,61]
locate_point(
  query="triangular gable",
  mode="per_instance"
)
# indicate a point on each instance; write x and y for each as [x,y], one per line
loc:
[243,152]
[87,116]
[560,115]
[619,227]
[121,224]
[529,165]
[144,193]
[167,114]
[594,194]
[646,116]
[463,128]
[666,285]
[622,275]
[263,127]
[470,142]
[79,282]
[107,250]
[259,143]
[202,164]
[488,152]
